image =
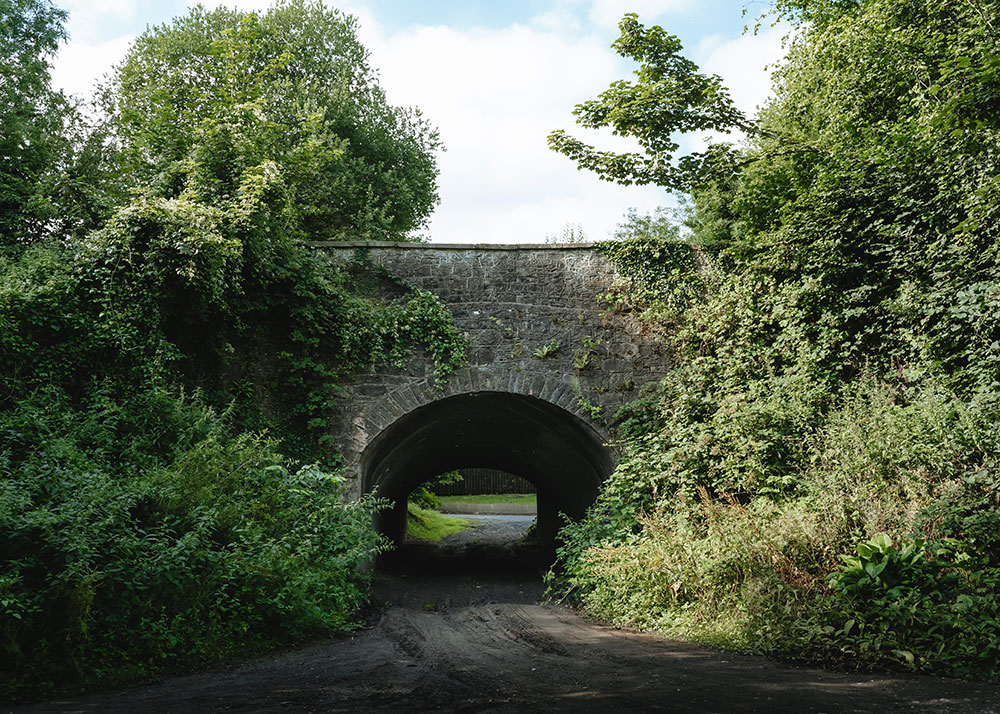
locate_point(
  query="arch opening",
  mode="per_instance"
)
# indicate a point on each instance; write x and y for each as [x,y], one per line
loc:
[566,458]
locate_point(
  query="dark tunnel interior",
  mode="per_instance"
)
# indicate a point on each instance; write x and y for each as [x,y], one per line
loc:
[563,456]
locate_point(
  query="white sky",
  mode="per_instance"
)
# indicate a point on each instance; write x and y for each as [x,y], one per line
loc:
[495,78]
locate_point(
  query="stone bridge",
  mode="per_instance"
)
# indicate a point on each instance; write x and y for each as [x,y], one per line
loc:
[548,366]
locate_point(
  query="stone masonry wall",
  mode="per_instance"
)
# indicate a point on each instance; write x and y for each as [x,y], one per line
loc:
[511,301]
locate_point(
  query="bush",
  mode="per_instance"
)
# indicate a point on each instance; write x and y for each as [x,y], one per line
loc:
[130,549]
[835,375]
[139,527]
[928,606]
[668,546]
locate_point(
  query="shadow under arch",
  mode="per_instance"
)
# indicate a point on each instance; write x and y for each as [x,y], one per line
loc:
[566,458]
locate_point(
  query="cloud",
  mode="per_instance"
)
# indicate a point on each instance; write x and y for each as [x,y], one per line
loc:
[560,20]
[100,34]
[88,20]
[495,94]
[80,65]
[745,65]
[245,5]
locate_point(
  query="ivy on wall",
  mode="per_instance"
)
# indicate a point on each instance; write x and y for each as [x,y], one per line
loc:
[660,278]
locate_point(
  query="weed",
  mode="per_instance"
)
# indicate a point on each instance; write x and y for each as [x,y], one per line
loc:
[547,350]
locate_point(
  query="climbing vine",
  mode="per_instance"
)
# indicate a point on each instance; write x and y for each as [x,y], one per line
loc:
[660,278]
[171,357]
[346,319]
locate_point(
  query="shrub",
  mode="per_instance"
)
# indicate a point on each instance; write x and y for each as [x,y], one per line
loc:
[667,546]
[928,606]
[130,549]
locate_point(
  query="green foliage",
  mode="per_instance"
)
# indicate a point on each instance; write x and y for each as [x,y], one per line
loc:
[592,410]
[661,224]
[570,234]
[547,350]
[886,221]
[689,542]
[928,606]
[423,496]
[880,568]
[835,378]
[30,112]
[164,292]
[55,175]
[223,104]
[669,96]
[144,531]
[140,534]
[520,499]
[660,278]
[584,353]
[426,319]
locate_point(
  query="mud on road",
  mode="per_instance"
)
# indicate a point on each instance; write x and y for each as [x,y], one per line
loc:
[468,639]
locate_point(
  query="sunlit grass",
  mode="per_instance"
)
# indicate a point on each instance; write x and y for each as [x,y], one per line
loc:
[521,499]
[431,525]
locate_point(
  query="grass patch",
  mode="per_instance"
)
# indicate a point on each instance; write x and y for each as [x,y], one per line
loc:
[431,525]
[523,499]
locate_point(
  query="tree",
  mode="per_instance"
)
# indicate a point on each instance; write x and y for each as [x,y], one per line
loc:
[219,103]
[31,113]
[661,224]
[58,171]
[868,181]
[670,95]
[892,220]
[571,233]
[841,373]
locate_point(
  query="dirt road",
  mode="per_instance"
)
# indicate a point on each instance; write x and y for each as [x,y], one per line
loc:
[473,641]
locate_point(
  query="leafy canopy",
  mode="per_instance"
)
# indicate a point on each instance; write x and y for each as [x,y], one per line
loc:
[669,95]
[219,101]
[31,112]
[58,175]
[146,352]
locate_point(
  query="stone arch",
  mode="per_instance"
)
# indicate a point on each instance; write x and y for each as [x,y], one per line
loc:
[565,456]
[363,419]
[537,326]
